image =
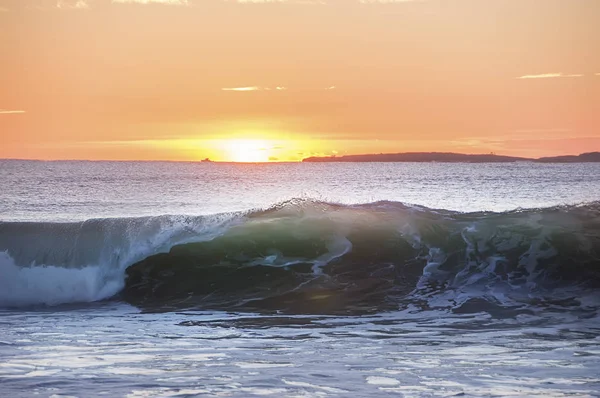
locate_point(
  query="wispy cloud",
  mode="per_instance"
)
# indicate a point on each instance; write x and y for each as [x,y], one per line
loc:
[250,88]
[389,1]
[254,88]
[548,76]
[73,4]
[10,112]
[165,2]
[541,76]
[259,1]
[281,1]
[277,88]
[322,2]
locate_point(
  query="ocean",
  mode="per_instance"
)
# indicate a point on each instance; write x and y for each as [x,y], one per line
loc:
[165,279]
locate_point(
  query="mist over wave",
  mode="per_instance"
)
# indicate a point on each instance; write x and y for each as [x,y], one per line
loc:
[310,256]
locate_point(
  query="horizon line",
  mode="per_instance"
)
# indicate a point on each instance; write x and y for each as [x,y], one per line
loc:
[204,160]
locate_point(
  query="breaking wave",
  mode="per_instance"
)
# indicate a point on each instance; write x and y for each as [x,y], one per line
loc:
[310,256]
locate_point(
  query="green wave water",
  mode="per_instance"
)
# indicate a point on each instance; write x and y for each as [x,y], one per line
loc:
[305,256]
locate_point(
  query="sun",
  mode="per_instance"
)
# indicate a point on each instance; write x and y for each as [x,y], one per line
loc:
[247,150]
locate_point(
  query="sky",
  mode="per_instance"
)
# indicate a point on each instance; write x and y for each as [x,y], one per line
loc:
[258,80]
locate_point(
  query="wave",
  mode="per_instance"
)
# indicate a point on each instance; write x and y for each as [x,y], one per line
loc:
[57,263]
[310,256]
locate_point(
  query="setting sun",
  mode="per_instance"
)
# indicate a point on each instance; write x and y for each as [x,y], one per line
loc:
[246,150]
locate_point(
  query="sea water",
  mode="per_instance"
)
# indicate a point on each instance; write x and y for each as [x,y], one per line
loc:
[340,279]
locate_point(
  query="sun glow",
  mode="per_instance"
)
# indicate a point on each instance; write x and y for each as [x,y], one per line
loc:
[247,150]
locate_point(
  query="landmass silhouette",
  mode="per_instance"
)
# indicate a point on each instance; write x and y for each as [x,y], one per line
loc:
[449,157]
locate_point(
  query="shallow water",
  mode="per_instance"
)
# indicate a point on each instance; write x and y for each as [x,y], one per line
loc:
[115,350]
[358,288]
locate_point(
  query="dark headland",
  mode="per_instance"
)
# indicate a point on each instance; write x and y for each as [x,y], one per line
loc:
[448,157]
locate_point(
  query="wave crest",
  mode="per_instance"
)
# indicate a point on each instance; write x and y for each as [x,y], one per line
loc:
[309,256]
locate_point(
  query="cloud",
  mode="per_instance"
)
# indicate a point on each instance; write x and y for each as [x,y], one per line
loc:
[259,1]
[10,112]
[388,1]
[86,4]
[548,76]
[277,88]
[250,88]
[73,4]
[165,2]
[254,88]
[321,2]
[281,1]
[542,76]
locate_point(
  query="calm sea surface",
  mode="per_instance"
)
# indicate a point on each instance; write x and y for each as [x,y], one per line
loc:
[65,191]
[145,279]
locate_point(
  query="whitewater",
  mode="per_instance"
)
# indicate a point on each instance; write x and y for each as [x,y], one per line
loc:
[186,279]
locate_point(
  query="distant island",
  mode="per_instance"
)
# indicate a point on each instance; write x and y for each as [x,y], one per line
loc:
[448,157]
[583,158]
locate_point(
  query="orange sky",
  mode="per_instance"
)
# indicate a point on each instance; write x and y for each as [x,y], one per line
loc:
[282,80]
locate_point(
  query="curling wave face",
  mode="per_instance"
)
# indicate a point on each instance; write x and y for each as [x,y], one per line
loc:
[313,257]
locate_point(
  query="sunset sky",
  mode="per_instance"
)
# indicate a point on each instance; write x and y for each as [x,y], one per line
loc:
[282,80]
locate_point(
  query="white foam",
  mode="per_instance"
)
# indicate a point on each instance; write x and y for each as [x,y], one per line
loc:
[50,285]
[99,272]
